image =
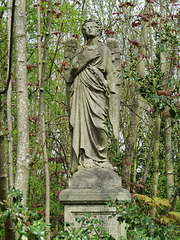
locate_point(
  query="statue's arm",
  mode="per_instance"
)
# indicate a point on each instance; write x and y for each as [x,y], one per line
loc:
[81,60]
[78,64]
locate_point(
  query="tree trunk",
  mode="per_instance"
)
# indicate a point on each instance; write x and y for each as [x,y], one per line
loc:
[135,160]
[9,115]
[156,156]
[167,123]
[23,161]
[176,195]
[41,77]
[9,230]
[9,233]
[133,125]
[144,177]
[148,160]
[130,144]
[10,138]
[155,163]
[168,159]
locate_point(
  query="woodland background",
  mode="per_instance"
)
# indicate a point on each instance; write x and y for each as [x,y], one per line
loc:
[34,131]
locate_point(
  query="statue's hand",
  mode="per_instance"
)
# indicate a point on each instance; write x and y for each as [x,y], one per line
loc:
[91,55]
[80,61]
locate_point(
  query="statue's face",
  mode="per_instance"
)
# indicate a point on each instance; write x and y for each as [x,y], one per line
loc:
[91,30]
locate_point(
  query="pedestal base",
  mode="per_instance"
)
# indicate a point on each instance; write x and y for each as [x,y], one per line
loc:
[88,193]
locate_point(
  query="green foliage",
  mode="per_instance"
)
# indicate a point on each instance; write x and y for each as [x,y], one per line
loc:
[136,213]
[28,226]
[90,227]
[26,222]
[140,225]
[152,90]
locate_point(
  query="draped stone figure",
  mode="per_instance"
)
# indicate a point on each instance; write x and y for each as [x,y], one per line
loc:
[90,83]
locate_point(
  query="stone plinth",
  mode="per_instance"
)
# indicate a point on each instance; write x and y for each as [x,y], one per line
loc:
[88,192]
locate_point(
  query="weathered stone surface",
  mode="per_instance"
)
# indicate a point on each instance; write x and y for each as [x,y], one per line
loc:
[90,82]
[92,196]
[88,193]
[95,178]
[80,202]
[102,212]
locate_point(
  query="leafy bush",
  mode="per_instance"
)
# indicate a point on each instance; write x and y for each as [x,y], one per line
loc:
[141,224]
[137,214]
[90,228]
[26,223]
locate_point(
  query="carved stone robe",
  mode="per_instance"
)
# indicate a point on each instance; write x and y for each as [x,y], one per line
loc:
[88,109]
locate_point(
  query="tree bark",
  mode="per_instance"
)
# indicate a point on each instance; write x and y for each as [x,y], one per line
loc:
[9,115]
[9,233]
[148,160]
[41,77]
[167,123]
[130,144]
[144,177]
[23,160]
[9,230]
[133,125]
[155,176]
[168,160]
[156,156]
[177,145]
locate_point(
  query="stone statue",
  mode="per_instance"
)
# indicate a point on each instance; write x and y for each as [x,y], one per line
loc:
[90,83]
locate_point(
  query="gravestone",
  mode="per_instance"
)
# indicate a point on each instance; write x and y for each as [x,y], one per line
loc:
[88,193]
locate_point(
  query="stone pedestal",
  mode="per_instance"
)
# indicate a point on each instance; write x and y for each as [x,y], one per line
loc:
[88,192]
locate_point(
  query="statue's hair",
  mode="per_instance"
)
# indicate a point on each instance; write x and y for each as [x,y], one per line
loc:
[96,22]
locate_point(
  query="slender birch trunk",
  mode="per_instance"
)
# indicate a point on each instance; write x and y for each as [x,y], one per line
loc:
[10,138]
[155,176]
[23,160]
[135,161]
[168,159]
[144,177]
[9,233]
[130,145]
[177,145]
[133,125]
[177,191]
[41,77]
[3,160]
[167,124]
[148,160]
[9,115]
[156,156]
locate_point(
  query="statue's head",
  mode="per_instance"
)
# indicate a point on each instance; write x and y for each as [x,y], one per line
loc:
[93,22]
